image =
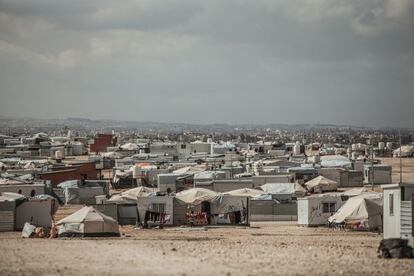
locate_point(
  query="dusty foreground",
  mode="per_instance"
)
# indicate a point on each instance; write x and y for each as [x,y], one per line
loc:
[265,249]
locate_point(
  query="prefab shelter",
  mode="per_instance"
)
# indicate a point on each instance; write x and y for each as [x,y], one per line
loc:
[377,174]
[161,210]
[38,211]
[315,210]
[7,210]
[321,184]
[88,222]
[398,211]
[364,212]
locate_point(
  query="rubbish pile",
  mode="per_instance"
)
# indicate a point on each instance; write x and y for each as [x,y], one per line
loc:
[395,249]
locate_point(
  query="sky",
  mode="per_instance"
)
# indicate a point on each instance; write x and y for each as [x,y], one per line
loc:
[209,61]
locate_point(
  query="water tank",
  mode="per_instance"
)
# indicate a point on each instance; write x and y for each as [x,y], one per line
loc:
[381,145]
[136,172]
[296,149]
[77,148]
[354,155]
[58,155]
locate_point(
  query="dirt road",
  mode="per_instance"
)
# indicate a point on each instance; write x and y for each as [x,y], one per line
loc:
[265,249]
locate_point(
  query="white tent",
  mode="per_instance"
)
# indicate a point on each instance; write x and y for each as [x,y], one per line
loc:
[195,196]
[355,192]
[88,222]
[404,151]
[365,209]
[284,188]
[245,192]
[131,195]
[190,170]
[9,196]
[334,161]
[129,146]
[112,154]
[321,184]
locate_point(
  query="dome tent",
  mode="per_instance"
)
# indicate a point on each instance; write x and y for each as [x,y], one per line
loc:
[321,184]
[88,222]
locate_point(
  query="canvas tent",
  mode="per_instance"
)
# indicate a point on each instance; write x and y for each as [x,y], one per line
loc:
[404,151]
[129,146]
[195,196]
[245,192]
[88,222]
[364,210]
[191,170]
[131,195]
[334,161]
[355,192]
[293,189]
[321,184]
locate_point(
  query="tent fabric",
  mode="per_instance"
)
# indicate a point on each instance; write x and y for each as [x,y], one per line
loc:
[334,161]
[68,184]
[245,192]
[195,196]
[263,197]
[190,170]
[88,221]
[284,188]
[129,146]
[111,154]
[321,184]
[9,196]
[404,150]
[355,192]
[131,195]
[363,208]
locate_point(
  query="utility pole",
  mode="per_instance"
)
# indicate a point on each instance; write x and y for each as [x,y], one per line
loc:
[399,132]
[372,167]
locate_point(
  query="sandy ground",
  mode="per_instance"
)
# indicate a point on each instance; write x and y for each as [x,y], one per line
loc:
[407,169]
[264,249]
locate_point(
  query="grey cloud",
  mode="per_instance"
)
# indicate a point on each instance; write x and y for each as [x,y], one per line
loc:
[326,61]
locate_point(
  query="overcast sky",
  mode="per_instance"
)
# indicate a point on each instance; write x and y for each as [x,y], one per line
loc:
[212,61]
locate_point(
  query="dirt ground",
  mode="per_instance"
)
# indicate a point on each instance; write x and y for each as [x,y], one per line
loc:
[407,169]
[264,249]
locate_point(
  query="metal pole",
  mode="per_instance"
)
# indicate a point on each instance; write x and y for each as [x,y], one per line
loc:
[372,167]
[400,156]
